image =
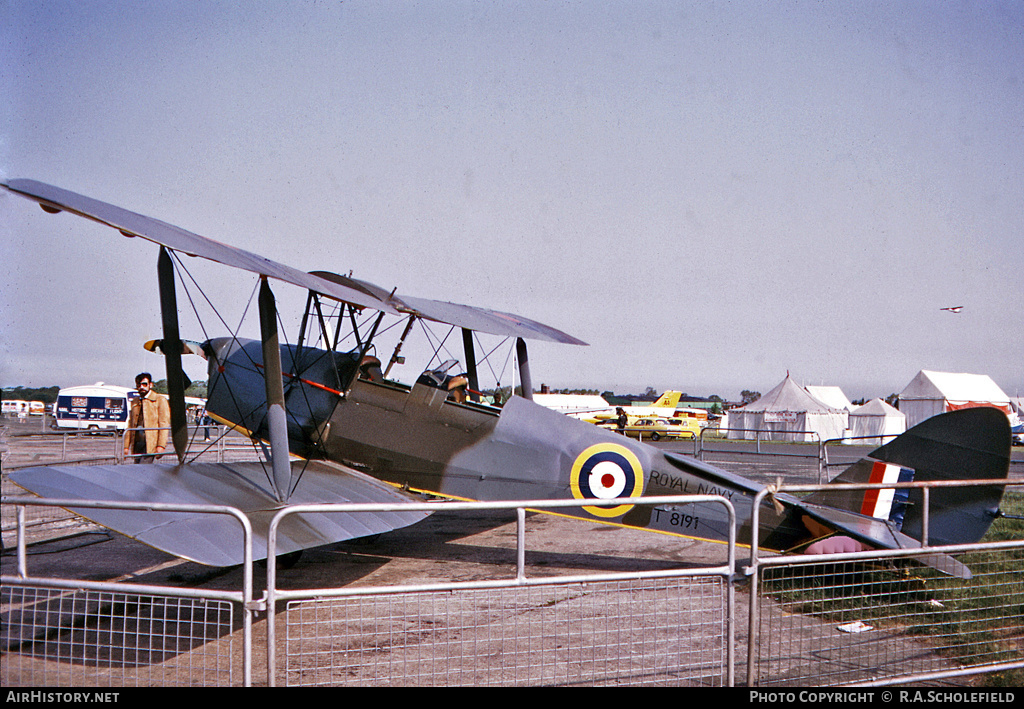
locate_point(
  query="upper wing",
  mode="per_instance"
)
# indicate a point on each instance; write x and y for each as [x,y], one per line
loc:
[483,320]
[470,317]
[216,539]
[54,199]
[349,290]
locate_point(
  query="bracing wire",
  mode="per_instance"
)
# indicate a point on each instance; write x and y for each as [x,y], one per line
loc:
[181,269]
[486,357]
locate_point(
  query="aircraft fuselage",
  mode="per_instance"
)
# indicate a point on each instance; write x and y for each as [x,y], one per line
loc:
[421,439]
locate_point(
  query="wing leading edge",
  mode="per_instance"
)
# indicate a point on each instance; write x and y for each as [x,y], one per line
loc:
[349,290]
[55,199]
[216,539]
[471,317]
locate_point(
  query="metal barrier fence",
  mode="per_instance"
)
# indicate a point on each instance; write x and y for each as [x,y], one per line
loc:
[770,435]
[92,638]
[67,631]
[871,623]
[667,631]
[864,618]
[73,632]
[103,449]
[672,626]
[205,443]
[766,465]
[839,453]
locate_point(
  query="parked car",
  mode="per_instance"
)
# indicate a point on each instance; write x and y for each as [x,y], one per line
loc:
[656,428]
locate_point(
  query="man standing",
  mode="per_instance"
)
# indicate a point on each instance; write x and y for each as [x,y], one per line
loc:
[621,420]
[148,423]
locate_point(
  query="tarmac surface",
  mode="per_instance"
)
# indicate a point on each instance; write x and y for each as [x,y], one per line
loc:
[447,547]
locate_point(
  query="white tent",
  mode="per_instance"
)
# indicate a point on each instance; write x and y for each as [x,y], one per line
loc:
[1017,404]
[932,393]
[789,413]
[833,397]
[876,418]
[1017,418]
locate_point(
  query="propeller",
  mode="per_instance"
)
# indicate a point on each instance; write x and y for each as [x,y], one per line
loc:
[187,347]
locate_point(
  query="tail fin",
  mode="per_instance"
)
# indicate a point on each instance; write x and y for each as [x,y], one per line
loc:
[971,444]
[669,399]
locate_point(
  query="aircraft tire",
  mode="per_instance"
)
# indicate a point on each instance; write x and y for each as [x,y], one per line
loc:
[285,561]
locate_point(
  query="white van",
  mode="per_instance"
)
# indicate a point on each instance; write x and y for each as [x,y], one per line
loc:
[99,407]
[15,407]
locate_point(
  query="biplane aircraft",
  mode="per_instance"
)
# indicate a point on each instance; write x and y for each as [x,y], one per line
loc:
[341,429]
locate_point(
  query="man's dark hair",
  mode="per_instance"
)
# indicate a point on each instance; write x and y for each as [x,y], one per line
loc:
[143,375]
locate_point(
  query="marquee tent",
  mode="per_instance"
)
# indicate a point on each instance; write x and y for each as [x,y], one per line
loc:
[931,393]
[833,397]
[787,413]
[879,419]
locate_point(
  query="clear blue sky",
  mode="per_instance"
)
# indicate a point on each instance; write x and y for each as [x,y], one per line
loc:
[710,194]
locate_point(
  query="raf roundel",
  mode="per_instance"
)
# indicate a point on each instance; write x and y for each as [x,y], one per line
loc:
[607,471]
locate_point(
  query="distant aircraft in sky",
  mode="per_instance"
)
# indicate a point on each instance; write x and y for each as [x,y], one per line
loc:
[955,309]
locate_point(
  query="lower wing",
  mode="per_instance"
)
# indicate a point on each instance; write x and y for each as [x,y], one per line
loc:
[216,539]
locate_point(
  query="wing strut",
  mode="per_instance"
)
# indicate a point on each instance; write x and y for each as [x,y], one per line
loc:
[274,380]
[395,356]
[301,342]
[172,353]
[525,380]
[474,380]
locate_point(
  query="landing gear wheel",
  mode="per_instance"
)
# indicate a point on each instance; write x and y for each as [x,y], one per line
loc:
[285,561]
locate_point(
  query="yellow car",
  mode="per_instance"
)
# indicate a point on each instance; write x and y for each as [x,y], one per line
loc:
[657,428]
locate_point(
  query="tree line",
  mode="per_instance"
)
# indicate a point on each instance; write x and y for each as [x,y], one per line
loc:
[48,395]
